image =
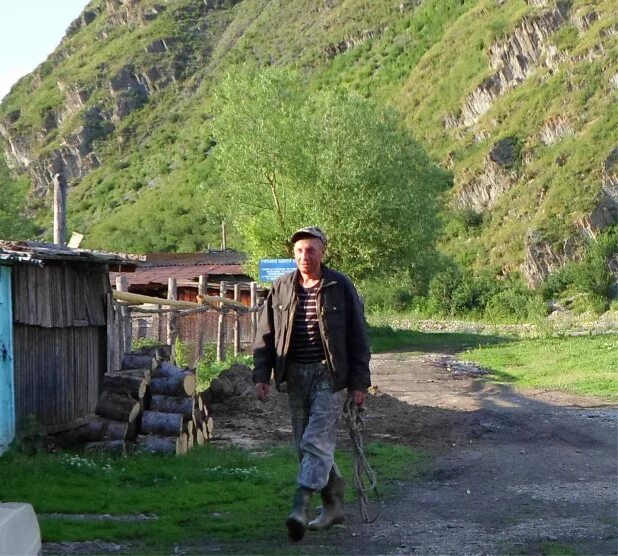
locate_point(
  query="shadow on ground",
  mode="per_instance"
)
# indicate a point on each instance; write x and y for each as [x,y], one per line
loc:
[386,338]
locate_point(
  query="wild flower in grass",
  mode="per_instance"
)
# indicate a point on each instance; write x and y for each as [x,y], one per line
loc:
[85,465]
[240,473]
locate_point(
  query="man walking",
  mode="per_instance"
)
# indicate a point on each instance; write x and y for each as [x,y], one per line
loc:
[311,333]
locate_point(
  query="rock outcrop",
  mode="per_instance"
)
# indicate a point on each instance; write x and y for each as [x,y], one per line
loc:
[333,50]
[131,12]
[515,59]
[127,90]
[481,192]
[554,128]
[583,20]
[85,18]
[542,257]
[606,212]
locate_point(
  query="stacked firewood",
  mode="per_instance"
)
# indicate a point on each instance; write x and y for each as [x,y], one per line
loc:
[149,405]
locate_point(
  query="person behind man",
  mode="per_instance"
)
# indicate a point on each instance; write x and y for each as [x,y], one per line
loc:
[311,333]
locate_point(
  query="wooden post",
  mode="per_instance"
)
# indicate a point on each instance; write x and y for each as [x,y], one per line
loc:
[172,328]
[236,322]
[221,326]
[254,315]
[223,237]
[60,214]
[122,285]
[202,285]
[202,289]
[114,355]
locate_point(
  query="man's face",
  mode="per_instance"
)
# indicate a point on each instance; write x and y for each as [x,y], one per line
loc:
[308,254]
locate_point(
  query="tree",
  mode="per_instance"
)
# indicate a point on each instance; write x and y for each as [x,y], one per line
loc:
[287,157]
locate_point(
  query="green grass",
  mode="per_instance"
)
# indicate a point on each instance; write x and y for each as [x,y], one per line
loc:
[387,338]
[208,494]
[557,549]
[585,365]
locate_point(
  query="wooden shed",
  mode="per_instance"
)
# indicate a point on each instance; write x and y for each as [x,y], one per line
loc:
[53,332]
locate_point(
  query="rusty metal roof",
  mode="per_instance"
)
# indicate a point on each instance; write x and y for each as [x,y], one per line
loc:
[159,275]
[211,257]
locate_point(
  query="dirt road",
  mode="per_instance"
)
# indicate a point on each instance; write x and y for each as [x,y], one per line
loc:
[512,472]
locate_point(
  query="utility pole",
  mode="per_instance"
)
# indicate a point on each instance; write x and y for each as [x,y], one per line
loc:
[60,210]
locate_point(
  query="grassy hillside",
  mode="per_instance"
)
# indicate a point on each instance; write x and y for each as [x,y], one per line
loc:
[430,59]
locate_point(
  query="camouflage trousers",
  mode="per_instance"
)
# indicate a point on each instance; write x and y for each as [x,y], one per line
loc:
[314,409]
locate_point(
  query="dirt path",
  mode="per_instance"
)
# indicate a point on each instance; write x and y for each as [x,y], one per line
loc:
[513,472]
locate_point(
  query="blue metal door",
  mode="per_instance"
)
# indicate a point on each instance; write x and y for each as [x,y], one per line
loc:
[7,390]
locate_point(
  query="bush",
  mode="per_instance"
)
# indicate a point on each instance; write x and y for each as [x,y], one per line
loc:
[460,292]
[468,216]
[206,370]
[591,276]
[587,302]
[144,343]
[394,293]
[515,303]
[454,291]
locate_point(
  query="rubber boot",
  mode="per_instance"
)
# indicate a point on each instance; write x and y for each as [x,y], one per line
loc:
[297,520]
[332,504]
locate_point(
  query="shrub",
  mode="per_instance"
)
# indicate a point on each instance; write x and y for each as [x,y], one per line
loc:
[515,303]
[468,216]
[441,290]
[454,291]
[394,293]
[144,342]
[591,276]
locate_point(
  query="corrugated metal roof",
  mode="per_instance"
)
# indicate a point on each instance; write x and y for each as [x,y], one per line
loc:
[212,257]
[160,275]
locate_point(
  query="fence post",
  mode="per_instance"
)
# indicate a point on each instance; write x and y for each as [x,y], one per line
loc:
[113,340]
[172,328]
[202,285]
[254,315]
[221,327]
[125,327]
[236,322]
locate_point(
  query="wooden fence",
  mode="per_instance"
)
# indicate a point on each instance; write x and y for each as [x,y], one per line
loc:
[219,327]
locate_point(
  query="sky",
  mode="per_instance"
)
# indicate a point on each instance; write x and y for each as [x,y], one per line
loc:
[29,32]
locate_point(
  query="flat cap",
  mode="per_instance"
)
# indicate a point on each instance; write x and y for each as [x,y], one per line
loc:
[309,232]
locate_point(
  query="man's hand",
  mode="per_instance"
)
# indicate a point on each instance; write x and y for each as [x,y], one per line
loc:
[262,390]
[358,396]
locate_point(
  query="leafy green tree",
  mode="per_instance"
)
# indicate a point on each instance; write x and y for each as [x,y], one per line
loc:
[288,157]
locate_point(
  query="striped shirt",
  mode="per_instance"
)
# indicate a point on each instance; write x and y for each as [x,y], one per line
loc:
[306,344]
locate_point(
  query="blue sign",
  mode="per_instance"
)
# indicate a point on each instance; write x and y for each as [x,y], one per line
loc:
[271,269]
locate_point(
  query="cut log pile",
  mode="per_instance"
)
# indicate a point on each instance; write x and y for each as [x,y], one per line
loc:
[149,405]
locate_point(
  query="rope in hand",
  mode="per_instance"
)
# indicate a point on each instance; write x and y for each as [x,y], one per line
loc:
[354,416]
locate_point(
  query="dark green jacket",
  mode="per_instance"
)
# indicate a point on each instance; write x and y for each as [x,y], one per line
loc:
[342,326]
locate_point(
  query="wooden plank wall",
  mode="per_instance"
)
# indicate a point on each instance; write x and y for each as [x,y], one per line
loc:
[59,295]
[60,344]
[57,371]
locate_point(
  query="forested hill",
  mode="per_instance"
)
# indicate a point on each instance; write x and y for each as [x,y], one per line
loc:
[517,98]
